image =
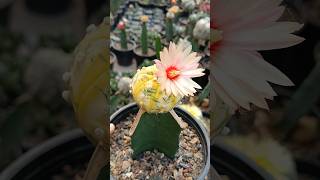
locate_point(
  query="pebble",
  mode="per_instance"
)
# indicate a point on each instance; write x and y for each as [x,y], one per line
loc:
[188,162]
[194,140]
[125,165]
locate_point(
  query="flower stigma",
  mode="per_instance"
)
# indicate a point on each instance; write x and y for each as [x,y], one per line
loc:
[172,72]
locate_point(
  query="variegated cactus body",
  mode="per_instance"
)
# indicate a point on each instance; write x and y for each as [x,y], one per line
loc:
[88,80]
[147,92]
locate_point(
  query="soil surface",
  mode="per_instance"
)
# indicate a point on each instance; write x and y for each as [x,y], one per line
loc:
[187,164]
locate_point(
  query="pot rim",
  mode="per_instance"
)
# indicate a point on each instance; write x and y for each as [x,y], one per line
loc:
[124,50]
[16,166]
[201,131]
[143,55]
[240,157]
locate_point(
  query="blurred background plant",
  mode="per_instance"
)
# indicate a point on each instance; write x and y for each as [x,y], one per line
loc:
[31,67]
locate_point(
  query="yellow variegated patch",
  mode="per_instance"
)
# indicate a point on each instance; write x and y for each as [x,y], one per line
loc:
[89,80]
[147,92]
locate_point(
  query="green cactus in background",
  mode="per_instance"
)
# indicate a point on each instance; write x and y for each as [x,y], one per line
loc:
[123,39]
[169,29]
[123,35]
[144,38]
[158,46]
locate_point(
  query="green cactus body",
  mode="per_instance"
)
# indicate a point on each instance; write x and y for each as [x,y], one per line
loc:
[169,30]
[194,43]
[189,29]
[144,38]
[123,39]
[153,132]
[158,46]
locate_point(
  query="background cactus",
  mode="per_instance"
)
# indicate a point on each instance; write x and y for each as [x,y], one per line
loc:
[123,35]
[144,38]
[158,46]
[169,26]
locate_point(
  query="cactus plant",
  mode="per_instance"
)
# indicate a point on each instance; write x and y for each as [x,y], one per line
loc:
[158,46]
[123,35]
[171,14]
[144,34]
[169,27]
[88,86]
[156,125]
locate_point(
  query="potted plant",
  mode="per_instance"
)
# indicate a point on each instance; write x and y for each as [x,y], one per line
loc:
[153,138]
[170,19]
[124,49]
[143,52]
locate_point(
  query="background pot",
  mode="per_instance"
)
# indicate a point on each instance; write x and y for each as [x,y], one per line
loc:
[113,59]
[145,5]
[140,57]
[124,56]
[48,6]
[232,163]
[47,159]
[125,111]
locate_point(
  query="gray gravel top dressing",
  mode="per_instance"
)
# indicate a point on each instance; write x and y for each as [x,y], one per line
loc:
[187,165]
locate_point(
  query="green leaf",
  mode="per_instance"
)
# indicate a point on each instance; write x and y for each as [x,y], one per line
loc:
[104,174]
[156,131]
[158,46]
[304,99]
[205,92]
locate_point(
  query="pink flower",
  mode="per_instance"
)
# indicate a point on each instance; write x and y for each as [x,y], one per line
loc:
[121,25]
[240,29]
[176,68]
[205,7]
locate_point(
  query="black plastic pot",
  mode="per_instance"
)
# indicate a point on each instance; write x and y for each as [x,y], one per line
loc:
[124,56]
[145,5]
[48,6]
[235,165]
[125,111]
[113,59]
[44,161]
[140,57]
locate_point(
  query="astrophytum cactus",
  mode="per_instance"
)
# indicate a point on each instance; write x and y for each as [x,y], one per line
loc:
[87,82]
